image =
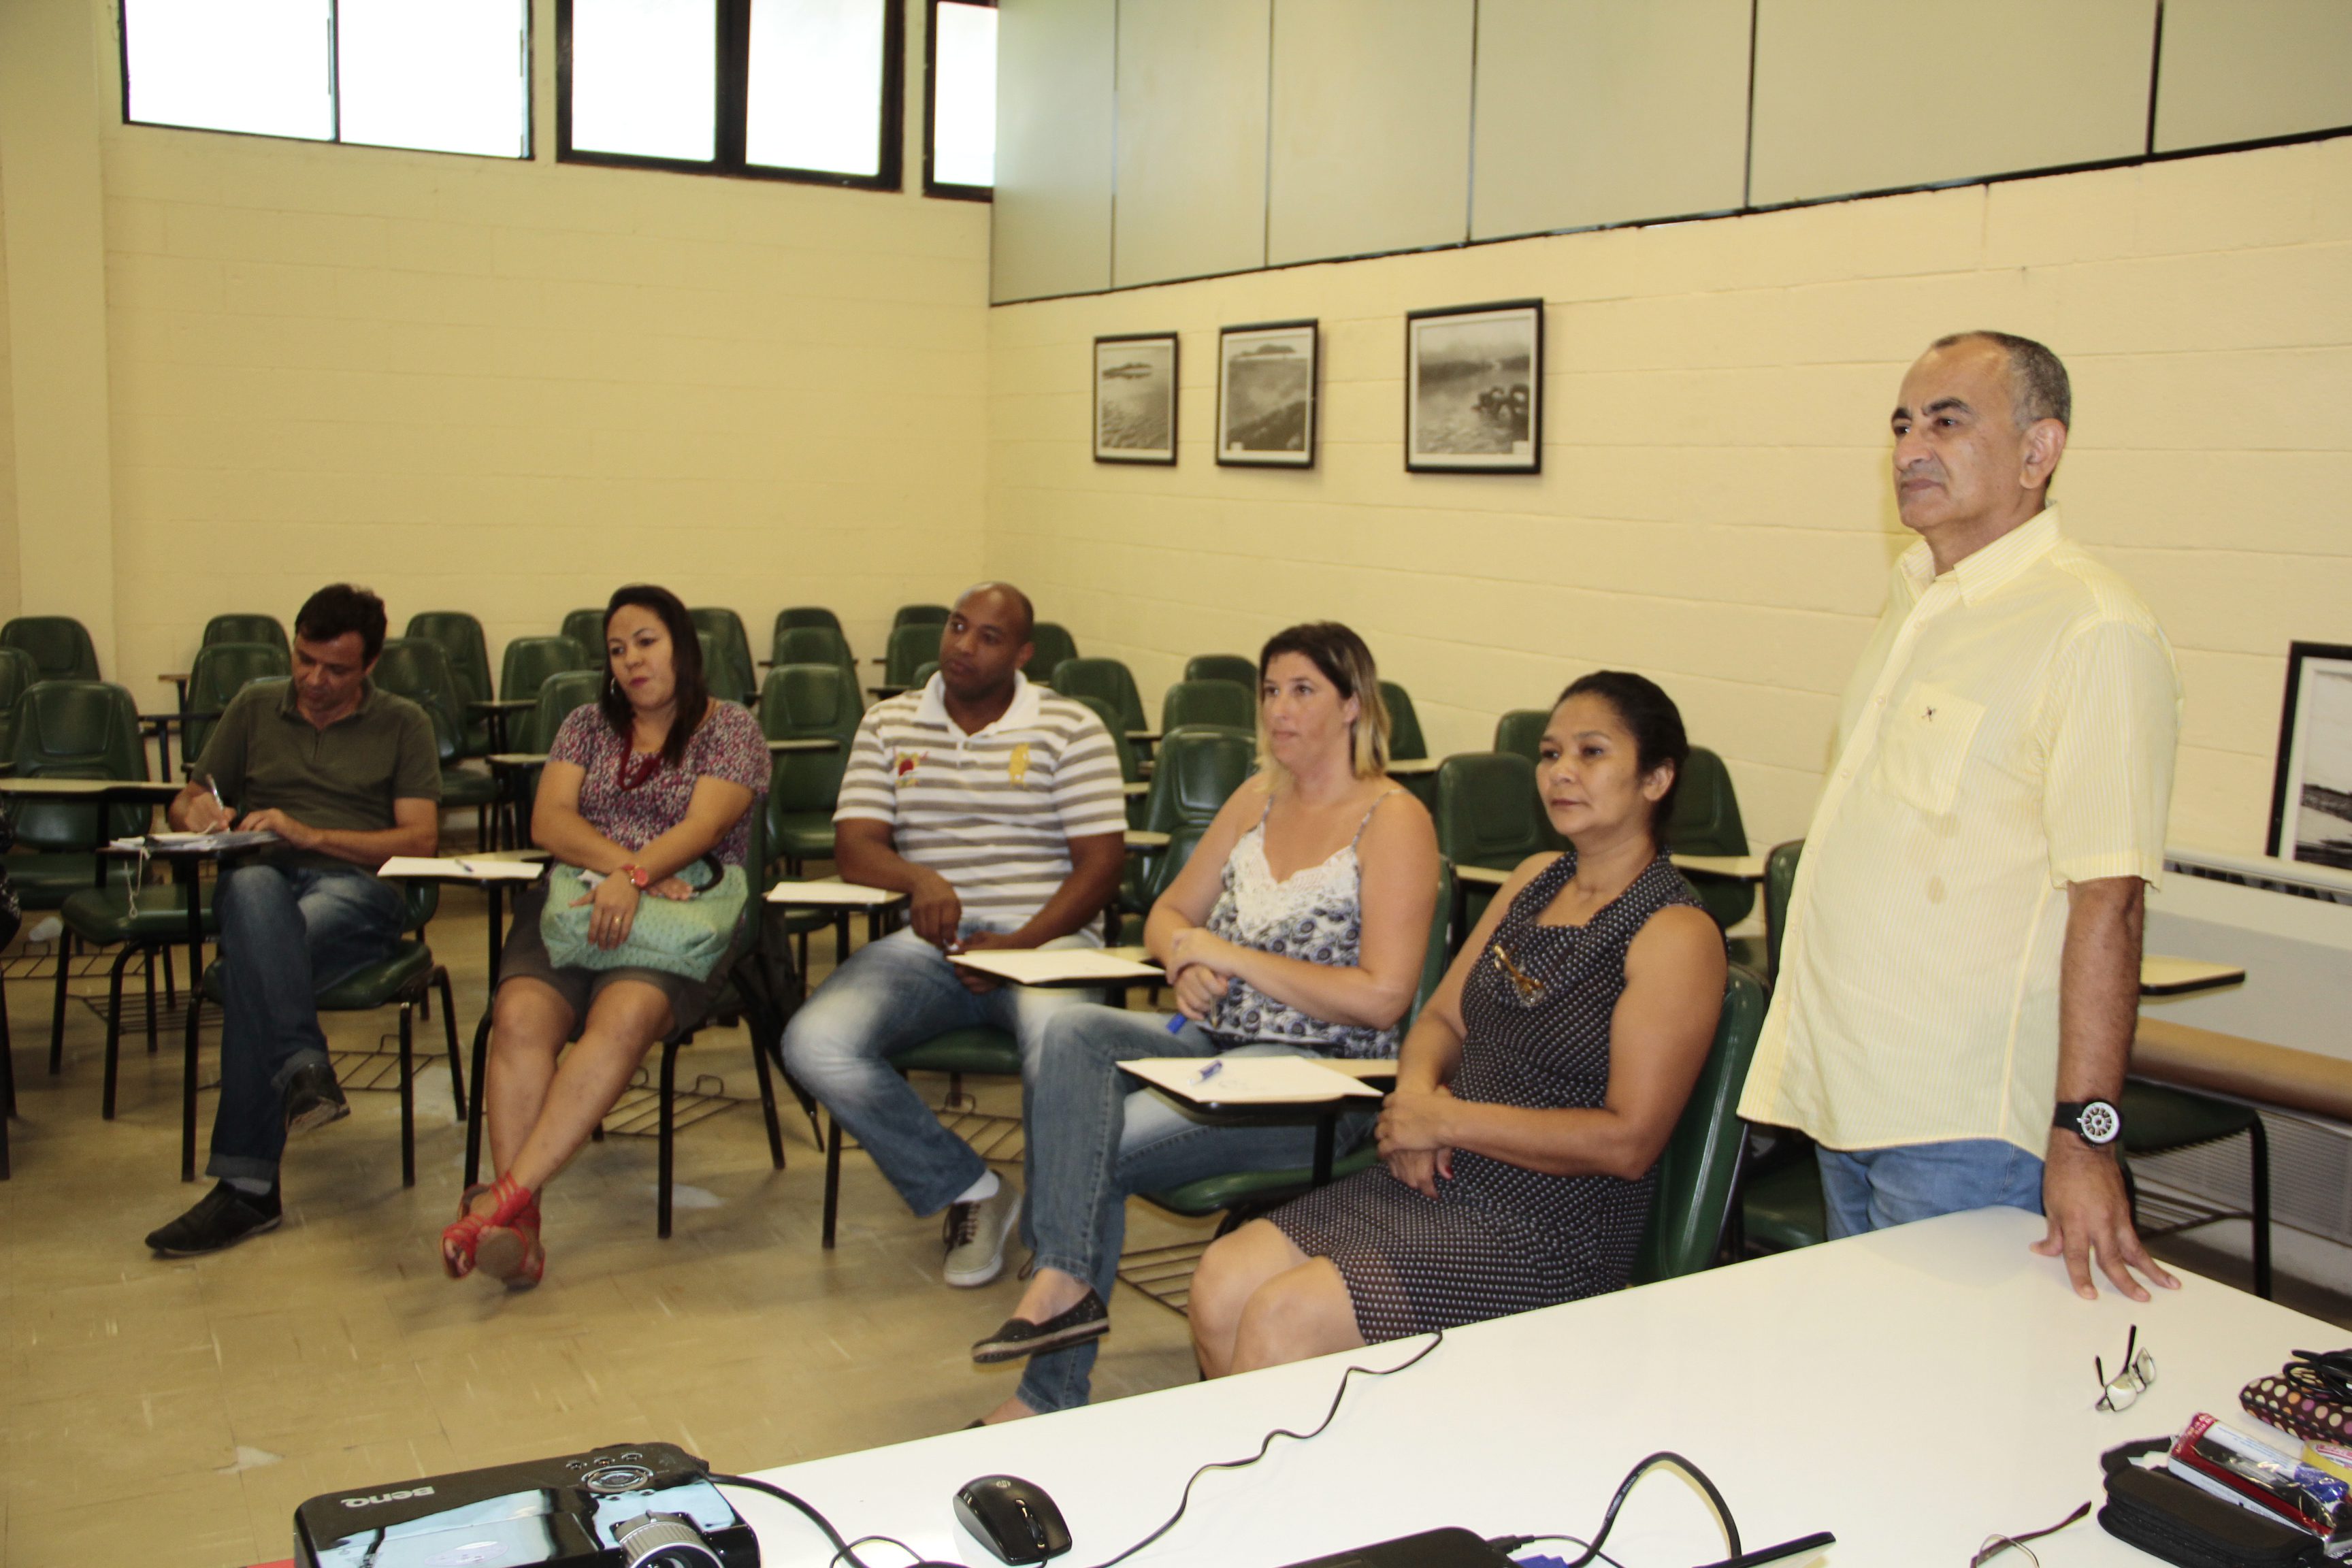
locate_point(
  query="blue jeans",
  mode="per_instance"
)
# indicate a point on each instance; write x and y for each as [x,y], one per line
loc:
[286,935]
[891,996]
[1094,1138]
[1870,1189]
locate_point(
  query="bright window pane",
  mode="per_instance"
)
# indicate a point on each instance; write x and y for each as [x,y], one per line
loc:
[231,65]
[963,95]
[644,77]
[816,86]
[442,74]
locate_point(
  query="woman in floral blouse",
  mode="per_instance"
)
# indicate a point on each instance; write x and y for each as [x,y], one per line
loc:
[654,777]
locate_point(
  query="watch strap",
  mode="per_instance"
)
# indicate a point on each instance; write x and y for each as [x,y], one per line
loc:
[2096,1121]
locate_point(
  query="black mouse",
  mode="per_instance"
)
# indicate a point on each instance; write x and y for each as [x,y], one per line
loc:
[1012,1518]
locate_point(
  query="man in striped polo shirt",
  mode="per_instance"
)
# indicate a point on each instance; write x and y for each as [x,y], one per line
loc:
[996,807]
[1960,980]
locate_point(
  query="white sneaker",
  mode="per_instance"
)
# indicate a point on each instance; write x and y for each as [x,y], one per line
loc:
[975,1235]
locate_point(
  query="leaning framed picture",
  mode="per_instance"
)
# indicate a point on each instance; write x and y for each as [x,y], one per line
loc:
[2311,794]
[1474,389]
[1265,396]
[1135,398]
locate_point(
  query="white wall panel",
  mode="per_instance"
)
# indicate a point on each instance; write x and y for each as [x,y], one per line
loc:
[1055,125]
[2237,70]
[1371,127]
[1191,138]
[1864,95]
[1594,112]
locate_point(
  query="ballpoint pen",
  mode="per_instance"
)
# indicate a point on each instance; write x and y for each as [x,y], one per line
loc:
[1212,1071]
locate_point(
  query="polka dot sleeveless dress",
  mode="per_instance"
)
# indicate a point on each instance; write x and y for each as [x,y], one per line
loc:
[1500,1238]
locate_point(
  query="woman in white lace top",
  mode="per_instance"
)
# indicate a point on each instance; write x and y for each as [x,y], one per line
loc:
[1299,927]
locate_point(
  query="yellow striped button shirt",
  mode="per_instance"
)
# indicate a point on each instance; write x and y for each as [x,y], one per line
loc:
[2009,730]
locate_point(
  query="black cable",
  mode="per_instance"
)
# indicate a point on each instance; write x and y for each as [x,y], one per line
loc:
[841,1548]
[1510,1543]
[1337,1394]
[915,1556]
[1507,1544]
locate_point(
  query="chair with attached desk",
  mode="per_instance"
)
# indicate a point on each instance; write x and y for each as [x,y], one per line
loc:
[803,789]
[247,629]
[1221,702]
[1520,731]
[747,993]
[1405,739]
[586,627]
[533,732]
[419,670]
[407,977]
[76,729]
[792,616]
[1130,765]
[1488,815]
[220,672]
[459,637]
[527,662]
[60,646]
[1233,666]
[1050,644]
[1107,678]
[19,674]
[1198,771]
[818,645]
[809,701]
[910,645]
[920,615]
[731,676]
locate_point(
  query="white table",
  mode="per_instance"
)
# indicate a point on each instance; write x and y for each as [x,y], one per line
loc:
[1912,1391]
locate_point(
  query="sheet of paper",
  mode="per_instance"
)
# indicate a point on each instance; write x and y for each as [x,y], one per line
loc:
[1055,965]
[831,895]
[459,865]
[1247,1080]
[196,841]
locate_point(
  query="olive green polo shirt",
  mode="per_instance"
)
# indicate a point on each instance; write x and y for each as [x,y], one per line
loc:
[263,754]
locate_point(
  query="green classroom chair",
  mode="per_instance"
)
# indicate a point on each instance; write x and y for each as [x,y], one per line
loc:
[1520,733]
[910,645]
[221,671]
[816,645]
[1050,643]
[18,674]
[1222,702]
[1230,667]
[1489,815]
[1130,765]
[1405,743]
[59,645]
[1698,1173]
[418,668]
[460,637]
[808,702]
[920,615]
[1707,822]
[1107,678]
[247,629]
[732,675]
[586,627]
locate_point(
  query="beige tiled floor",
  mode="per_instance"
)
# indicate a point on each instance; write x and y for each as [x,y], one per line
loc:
[175,1412]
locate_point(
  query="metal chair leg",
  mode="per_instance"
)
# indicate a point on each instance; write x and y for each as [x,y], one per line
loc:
[58,1011]
[473,1111]
[669,1085]
[767,1097]
[188,1089]
[831,1179]
[449,1027]
[408,1094]
[152,1042]
[114,1029]
[2259,1136]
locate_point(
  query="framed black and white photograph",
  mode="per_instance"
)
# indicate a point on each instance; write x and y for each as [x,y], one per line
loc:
[2311,796]
[1474,389]
[1265,396]
[1135,398]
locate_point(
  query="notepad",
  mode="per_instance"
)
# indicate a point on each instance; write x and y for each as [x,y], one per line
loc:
[1055,965]
[833,895]
[466,868]
[1248,1081]
[197,841]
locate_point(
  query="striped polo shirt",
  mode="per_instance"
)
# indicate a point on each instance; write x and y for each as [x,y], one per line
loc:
[994,813]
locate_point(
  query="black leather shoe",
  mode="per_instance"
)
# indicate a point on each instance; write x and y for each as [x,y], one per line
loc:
[313,1099]
[222,1217]
[1020,1337]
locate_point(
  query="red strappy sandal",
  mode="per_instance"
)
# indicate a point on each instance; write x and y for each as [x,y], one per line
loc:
[512,1252]
[460,1240]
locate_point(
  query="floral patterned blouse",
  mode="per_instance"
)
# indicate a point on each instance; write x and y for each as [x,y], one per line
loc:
[727,747]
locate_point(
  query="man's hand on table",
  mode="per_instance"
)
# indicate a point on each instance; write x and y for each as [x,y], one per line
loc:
[2089,1213]
[299,834]
[976,983]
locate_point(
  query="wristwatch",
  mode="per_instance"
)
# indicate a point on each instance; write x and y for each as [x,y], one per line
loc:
[637,877]
[2096,1121]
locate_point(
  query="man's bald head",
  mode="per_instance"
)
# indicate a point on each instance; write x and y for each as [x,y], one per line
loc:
[1025,614]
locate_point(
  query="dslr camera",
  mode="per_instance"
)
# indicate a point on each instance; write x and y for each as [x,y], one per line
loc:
[633,1505]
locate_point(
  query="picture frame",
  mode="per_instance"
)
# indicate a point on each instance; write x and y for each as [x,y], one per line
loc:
[1474,389]
[2311,794]
[1267,377]
[1135,398]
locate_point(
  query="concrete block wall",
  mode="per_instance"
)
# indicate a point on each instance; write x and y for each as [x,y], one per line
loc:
[1714,509]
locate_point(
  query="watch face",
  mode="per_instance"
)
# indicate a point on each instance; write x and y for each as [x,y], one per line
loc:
[2099,1123]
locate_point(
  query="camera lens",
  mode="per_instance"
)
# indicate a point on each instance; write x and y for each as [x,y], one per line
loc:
[663,1541]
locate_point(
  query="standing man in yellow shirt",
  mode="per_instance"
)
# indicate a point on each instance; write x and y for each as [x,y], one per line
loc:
[1960,978]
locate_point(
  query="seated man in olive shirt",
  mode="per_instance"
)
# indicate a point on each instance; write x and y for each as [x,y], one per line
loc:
[348,776]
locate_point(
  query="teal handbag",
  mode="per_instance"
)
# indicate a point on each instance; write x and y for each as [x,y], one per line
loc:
[686,939]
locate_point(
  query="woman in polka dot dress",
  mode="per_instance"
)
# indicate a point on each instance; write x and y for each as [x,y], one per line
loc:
[1535,1093]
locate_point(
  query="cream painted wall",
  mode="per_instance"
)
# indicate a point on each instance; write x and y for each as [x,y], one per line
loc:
[8,571]
[1714,509]
[506,387]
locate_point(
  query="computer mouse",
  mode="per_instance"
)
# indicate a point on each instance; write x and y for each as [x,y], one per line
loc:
[1012,1518]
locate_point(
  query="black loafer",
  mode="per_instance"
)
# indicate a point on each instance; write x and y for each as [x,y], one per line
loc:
[1020,1337]
[222,1217]
[313,1099]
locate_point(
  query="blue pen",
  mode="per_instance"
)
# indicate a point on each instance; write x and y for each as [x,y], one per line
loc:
[1212,1071]
[1176,1024]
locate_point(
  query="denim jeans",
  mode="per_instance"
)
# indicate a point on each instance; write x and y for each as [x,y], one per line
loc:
[286,935]
[891,996]
[1094,1138]
[1870,1189]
